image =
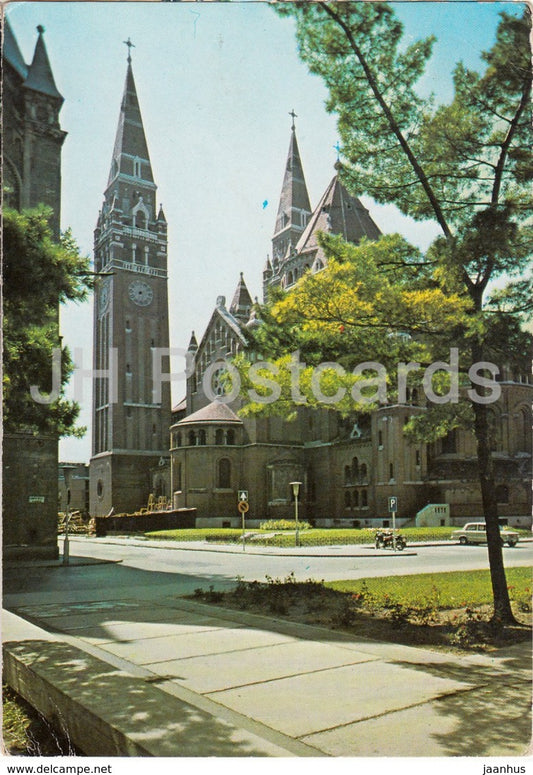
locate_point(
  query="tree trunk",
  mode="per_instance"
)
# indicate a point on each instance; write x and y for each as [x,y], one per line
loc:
[502,605]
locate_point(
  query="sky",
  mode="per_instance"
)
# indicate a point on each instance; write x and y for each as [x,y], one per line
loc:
[216,83]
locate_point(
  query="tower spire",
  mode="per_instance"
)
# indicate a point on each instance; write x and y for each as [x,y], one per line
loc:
[130,154]
[40,77]
[294,207]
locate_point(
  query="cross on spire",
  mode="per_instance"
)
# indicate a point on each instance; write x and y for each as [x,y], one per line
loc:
[130,45]
[293,114]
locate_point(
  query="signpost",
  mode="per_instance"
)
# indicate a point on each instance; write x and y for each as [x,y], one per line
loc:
[393,508]
[243,507]
[295,490]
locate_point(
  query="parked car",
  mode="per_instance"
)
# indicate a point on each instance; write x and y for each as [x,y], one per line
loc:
[476,533]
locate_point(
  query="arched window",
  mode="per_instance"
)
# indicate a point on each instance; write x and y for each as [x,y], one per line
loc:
[140,220]
[219,436]
[192,439]
[230,436]
[502,493]
[364,498]
[202,440]
[364,471]
[347,474]
[347,499]
[224,473]
[449,442]
[356,499]
[179,439]
[524,431]
[355,468]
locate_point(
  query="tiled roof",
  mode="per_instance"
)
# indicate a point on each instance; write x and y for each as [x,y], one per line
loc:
[216,412]
[338,212]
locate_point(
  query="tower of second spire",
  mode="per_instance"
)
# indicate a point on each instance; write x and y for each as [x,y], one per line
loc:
[294,208]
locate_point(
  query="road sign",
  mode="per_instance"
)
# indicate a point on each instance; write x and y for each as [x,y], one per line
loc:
[243,496]
[243,507]
[393,504]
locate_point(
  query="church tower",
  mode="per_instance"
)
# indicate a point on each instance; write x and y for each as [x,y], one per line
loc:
[32,133]
[131,404]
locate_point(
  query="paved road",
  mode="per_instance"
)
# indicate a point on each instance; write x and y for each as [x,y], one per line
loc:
[133,669]
[140,566]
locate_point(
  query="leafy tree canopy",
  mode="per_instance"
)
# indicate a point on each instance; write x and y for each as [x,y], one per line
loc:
[38,275]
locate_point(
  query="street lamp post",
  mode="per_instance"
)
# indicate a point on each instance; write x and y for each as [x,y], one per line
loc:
[66,548]
[296,489]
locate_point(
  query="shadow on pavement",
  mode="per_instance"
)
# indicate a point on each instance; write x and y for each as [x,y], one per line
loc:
[131,705]
[495,715]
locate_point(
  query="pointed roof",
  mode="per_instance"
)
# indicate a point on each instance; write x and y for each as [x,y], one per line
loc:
[40,76]
[294,190]
[242,301]
[130,140]
[216,412]
[338,212]
[193,344]
[11,51]
[161,215]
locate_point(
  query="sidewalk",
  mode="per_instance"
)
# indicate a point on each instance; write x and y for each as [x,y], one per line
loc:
[171,677]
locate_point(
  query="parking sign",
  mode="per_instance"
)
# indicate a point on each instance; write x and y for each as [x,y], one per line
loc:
[393,504]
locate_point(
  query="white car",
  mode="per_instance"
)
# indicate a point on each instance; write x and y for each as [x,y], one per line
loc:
[476,533]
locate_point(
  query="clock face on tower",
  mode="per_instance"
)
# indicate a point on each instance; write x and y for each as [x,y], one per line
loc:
[140,293]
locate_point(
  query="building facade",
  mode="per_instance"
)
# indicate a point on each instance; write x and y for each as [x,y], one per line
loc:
[349,467]
[131,408]
[31,175]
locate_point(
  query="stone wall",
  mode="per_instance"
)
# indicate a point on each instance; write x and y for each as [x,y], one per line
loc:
[29,496]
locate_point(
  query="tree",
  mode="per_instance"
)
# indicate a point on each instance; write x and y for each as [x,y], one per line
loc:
[466,165]
[38,274]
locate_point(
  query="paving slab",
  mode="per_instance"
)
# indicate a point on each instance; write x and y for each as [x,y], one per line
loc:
[209,674]
[472,723]
[309,703]
[145,651]
[118,631]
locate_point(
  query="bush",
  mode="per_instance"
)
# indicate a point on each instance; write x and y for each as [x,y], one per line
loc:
[284,524]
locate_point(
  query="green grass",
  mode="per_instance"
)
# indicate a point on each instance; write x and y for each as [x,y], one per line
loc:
[313,537]
[455,589]
[196,534]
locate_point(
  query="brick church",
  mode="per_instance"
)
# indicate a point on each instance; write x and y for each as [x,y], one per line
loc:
[348,468]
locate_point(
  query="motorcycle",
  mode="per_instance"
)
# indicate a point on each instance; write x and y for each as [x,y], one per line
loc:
[385,539]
